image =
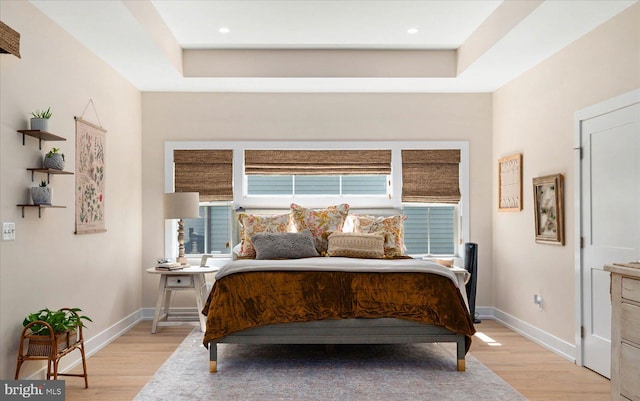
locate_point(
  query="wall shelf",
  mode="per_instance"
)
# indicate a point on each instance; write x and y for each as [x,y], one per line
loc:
[47,171]
[41,135]
[40,207]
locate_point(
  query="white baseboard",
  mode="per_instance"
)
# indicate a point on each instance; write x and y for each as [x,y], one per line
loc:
[549,341]
[94,344]
[540,337]
[147,313]
[102,339]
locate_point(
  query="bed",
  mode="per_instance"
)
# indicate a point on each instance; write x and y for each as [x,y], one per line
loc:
[332,276]
[337,300]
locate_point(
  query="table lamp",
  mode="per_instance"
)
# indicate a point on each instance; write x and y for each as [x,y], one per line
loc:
[181,205]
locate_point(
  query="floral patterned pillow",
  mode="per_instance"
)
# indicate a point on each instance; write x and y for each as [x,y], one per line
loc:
[392,227]
[321,222]
[251,225]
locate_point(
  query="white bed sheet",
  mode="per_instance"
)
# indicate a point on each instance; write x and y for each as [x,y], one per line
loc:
[338,264]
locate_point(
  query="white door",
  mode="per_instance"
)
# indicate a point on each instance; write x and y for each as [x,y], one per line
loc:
[610,220]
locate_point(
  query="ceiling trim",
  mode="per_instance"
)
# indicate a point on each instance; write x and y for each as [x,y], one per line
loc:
[320,63]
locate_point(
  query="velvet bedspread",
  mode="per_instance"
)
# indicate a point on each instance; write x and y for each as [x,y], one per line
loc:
[252,299]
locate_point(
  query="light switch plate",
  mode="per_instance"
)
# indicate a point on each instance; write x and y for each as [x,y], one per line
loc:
[8,231]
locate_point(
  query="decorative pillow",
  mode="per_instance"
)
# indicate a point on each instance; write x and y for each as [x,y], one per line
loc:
[354,245]
[251,225]
[284,245]
[320,222]
[444,262]
[392,227]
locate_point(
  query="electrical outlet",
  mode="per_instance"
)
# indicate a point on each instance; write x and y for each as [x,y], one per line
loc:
[8,231]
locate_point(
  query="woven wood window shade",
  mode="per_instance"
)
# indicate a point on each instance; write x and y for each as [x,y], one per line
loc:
[431,176]
[317,162]
[9,40]
[209,172]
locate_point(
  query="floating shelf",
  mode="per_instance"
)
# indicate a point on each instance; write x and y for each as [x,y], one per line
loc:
[47,171]
[41,135]
[40,207]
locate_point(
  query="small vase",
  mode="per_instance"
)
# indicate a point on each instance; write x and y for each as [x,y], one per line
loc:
[55,161]
[41,124]
[41,195]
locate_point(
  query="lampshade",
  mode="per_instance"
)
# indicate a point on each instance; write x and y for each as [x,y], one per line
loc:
[181,205]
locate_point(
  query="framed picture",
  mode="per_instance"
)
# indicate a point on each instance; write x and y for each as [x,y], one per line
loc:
[510,183]
[549,211]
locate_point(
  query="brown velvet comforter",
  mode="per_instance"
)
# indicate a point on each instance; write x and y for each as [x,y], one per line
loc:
[252,299]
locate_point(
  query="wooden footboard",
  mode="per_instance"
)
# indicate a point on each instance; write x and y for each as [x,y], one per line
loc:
[347,331]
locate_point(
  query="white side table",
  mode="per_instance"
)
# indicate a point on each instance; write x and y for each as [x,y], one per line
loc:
[189,278]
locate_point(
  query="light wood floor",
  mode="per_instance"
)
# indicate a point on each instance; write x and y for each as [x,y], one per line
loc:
[121,369]
[539,374]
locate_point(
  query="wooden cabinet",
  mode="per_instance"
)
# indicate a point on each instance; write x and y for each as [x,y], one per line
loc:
[41,136]
[625,331]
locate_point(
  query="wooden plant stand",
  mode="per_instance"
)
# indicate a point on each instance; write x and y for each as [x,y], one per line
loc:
[51,348]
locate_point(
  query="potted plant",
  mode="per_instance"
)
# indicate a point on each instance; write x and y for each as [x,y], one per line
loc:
[54,159]
[40,119]
[41,195]
[47,330]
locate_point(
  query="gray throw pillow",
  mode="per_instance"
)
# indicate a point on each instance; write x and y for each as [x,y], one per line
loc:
[284,245]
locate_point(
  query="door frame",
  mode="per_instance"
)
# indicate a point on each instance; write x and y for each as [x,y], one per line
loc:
[587,113]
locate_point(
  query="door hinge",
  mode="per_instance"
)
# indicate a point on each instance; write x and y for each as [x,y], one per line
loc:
[581,331]
[581,242]
[579,149]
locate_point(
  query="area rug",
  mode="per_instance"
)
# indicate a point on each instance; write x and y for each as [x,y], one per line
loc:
[420,372]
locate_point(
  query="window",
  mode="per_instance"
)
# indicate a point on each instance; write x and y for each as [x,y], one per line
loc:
[210,233]
[317,185]
[430,230]
[261,176]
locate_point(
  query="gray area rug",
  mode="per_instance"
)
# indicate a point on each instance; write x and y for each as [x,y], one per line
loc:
[312,372]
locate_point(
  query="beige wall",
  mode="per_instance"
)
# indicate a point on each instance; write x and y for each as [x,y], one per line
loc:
[47,265]
[103,273]
[534,115]
[316,117]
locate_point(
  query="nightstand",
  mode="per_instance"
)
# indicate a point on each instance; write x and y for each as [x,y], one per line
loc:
[189,278]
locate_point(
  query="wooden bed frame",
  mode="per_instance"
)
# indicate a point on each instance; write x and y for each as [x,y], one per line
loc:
[346,331]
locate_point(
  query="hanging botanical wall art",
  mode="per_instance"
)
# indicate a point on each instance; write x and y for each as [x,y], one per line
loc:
[90,177]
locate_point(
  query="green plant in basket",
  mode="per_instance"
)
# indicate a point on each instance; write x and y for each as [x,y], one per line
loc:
[43,184]
[53,152]
[60,320]
[54,159]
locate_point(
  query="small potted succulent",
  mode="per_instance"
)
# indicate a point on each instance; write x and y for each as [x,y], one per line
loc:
[41,195]
[47,329]
[54,159]
[40,119]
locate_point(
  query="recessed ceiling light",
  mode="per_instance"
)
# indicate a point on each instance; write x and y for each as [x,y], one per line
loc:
[224,30]
[412,31]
